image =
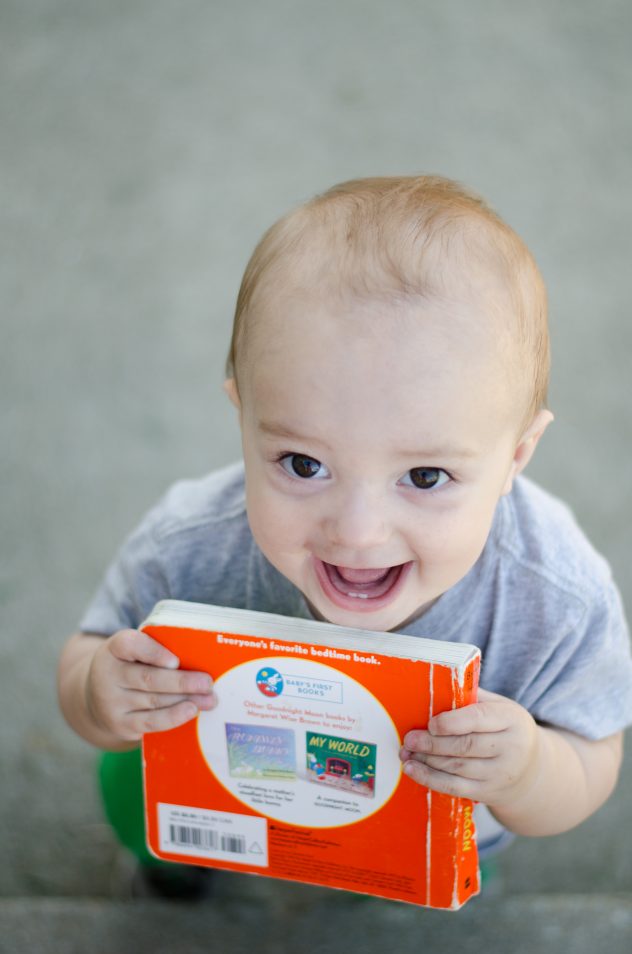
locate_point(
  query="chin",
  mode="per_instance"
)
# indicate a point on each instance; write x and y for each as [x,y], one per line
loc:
[378,620]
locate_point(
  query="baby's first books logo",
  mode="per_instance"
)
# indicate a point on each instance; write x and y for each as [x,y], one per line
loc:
[269,681]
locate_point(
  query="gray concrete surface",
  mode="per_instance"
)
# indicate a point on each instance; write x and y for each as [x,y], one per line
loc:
[144,147]
[523,925]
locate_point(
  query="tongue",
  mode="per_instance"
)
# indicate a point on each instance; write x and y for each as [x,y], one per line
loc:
[350,575]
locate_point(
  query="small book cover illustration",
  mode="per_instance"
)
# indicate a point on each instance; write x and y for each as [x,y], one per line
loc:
[344,763]
[295,773]
[259,751]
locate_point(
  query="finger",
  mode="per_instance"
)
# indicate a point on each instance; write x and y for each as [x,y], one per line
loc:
[161,720]
[136,702]
[443,782]
[153,679]
[483,745]
[490,715]
[130,645]
[474,769]
[484,695]
[206,702]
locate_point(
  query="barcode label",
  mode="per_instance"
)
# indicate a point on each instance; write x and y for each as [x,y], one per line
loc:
[199,833]
[206,838]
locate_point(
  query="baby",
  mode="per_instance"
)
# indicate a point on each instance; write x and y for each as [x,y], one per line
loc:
[389,366]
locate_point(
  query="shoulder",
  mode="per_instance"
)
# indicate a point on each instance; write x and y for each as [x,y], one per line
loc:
[568,656]
[538,533]
[216,499]
[200,526]
[200,538]
[195,544]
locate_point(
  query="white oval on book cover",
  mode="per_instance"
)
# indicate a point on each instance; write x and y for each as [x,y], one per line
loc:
[300,742]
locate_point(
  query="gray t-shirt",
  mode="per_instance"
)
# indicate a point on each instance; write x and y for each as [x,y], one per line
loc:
[539,602]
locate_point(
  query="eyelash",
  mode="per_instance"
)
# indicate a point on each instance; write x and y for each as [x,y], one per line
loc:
[288,456]
[439,470]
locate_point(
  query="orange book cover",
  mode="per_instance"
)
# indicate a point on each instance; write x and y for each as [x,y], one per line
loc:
[296,774]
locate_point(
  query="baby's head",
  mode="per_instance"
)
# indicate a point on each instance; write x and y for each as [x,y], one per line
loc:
[402,240]
[390,363]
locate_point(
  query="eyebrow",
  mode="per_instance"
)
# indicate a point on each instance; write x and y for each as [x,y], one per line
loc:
[274,429]
[278,430]
[445,453]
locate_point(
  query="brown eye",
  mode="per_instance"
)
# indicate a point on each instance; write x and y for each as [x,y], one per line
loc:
[426,478]
[298,465]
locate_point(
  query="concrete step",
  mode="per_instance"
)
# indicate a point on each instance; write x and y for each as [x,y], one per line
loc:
[529,924]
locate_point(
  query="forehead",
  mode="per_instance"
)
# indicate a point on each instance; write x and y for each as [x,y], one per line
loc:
[354,365]
[301,325]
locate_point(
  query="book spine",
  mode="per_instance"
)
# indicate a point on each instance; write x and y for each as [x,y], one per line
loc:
[466,870]
[467,873]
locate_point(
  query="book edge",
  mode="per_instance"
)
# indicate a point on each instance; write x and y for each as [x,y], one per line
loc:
[202,617]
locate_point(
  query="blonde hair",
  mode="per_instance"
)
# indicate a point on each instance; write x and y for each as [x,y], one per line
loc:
[401,238]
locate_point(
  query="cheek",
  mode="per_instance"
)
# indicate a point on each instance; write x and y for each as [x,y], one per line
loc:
[456,538]
[274,522]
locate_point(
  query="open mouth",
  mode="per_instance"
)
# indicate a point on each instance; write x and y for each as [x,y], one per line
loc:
[361,590]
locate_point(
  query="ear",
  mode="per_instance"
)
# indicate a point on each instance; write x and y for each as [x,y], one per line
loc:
[230,387]
[526,446]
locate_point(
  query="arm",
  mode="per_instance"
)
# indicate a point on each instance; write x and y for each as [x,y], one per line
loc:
[536,780]
[574,777]
[113,690]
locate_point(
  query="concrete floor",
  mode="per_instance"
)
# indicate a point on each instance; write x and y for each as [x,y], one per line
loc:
[145,146]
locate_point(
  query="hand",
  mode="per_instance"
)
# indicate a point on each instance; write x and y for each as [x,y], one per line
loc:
[134,686]
[486,751]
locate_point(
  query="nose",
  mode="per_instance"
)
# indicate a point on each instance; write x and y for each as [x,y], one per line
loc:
[357,520]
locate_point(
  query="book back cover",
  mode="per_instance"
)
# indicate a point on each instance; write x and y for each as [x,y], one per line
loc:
[295,774]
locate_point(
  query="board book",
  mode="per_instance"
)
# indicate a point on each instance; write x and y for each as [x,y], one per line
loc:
[296,773]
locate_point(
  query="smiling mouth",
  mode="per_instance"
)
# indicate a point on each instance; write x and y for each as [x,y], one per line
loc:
[361,590]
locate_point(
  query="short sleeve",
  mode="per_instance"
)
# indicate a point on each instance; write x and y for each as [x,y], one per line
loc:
[133,584]
[586,684]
